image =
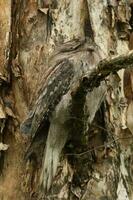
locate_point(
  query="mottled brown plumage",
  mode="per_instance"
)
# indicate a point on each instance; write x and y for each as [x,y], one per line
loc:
[70,62]
[57,83]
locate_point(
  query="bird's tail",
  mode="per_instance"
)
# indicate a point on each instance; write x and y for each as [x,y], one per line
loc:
[54,145]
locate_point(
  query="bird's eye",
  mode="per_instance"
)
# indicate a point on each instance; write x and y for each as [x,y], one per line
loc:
[85,80]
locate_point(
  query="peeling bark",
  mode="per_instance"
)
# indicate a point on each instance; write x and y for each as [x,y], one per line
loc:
[99,164]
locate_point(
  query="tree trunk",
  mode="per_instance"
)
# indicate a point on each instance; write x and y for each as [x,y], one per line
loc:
[97,166]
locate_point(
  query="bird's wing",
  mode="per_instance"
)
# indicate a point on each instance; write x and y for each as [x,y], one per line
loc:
[56,85]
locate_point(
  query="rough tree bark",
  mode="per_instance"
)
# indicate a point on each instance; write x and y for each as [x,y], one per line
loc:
[99,165]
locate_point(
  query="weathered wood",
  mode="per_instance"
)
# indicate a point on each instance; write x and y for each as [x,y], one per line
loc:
[104,68]
[30,31]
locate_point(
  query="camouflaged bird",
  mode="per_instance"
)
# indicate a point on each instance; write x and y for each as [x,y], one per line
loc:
[69,63]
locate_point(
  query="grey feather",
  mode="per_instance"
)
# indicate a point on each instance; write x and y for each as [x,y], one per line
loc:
[49,97]
[54,102]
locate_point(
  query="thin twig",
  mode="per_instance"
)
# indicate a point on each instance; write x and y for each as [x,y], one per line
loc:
[98,147]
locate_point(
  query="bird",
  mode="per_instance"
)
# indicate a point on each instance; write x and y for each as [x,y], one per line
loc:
[67,65]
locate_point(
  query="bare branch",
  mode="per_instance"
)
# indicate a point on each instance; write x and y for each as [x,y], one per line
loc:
[104,68]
